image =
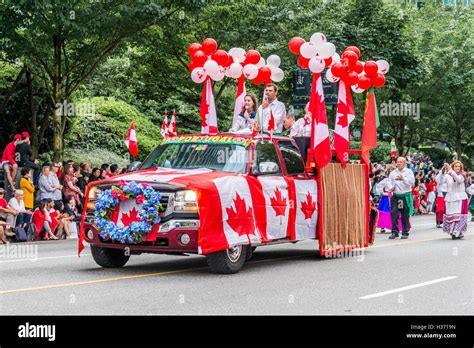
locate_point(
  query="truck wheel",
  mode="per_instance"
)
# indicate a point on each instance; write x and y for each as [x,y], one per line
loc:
[227,261]
[250,253]
[109,258]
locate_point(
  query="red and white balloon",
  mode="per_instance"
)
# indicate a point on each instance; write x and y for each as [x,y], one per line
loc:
[207,60]
[316,54]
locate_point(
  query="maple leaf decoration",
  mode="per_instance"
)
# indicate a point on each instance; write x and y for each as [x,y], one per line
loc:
[278,204]
[240,219]
[342,120]
[308,207]
[132,216]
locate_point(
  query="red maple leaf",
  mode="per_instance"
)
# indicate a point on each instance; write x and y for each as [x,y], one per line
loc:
[308,207]
[240,219]
[132,216]
[278,204]
[342,120]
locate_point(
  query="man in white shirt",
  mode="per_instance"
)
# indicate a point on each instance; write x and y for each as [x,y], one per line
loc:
[400,183]
[302,127]
[270,102]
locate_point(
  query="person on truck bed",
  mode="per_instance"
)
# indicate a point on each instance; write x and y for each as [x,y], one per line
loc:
[302,127]
[246,118]
[271,105]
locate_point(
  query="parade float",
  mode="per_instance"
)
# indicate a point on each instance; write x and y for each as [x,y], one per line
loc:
[222,195]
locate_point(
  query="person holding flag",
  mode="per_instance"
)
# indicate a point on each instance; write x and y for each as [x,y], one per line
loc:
[247,116]
[272,108]
[302,127]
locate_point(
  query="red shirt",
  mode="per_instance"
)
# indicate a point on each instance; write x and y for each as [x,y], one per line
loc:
[9,153]
[3,203]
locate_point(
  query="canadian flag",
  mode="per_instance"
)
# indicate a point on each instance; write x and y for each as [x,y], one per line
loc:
[320,141]
[345,115]
[164,126]
[131,140]
[208,109]
[239,99]
[271,123]
[172,132]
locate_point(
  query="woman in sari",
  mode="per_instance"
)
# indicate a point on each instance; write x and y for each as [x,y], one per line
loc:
[455,219]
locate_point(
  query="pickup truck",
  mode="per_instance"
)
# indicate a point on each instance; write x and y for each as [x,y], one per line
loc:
[221,196]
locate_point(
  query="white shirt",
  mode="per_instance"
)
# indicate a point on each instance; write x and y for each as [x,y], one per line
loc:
[401,186]
[15,205]
[279,112]
[456,186]
[441,186]
[300,129]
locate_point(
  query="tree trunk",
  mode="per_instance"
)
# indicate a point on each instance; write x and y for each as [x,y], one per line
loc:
[57,136]
[34,120]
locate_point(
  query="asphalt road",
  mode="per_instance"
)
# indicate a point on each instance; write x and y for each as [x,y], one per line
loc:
[428,274]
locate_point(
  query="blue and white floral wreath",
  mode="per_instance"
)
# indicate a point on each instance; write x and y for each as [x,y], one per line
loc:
[136,231]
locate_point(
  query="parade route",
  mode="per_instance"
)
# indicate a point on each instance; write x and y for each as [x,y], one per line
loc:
[426,274]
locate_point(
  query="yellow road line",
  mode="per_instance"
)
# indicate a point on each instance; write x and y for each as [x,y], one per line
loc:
[146,275]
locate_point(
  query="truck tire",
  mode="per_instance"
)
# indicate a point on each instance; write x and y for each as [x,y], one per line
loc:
[227,261]
[109,258]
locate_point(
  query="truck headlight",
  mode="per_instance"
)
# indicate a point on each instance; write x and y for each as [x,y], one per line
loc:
[185,200]
[172,224]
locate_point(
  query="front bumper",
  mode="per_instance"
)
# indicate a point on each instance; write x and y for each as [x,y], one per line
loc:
[169,242]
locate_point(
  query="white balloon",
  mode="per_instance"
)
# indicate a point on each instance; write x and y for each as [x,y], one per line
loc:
[383,65]
[356,89]
[308,50]
[316,64]
[235,70]
[318,39]
[327,50]
[274,60]
[211,66]
[198,75]
[218,75]
[336,58]
[260,63]
[330,77]
[237,53]
[277,75]
[250,71]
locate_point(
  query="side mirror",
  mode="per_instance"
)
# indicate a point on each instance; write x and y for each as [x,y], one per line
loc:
[268,168]
[134,166]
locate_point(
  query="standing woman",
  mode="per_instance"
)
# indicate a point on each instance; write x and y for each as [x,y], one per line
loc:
[455,219]
[385,220]
[247,116]
[70,185]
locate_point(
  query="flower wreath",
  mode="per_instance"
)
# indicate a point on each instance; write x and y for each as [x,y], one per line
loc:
[149,214]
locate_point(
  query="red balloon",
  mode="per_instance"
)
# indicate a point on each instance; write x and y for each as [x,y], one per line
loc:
[370,68]
[378,80]
[338,70]
[230,60]
[354,49]
[221,57]
[350,57]
[258,80]
[295,44]
[359,67]
[209,46]
[252,57]
[303,62]
[193,48]
[328,61]
[192,65]
[265,72]
[199,58]
[352,78]
[364,82]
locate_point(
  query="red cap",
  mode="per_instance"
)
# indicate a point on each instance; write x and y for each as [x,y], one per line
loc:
[25,135]
[17,137]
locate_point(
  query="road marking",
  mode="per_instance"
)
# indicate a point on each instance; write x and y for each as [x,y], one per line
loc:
[409,287]
[43,258]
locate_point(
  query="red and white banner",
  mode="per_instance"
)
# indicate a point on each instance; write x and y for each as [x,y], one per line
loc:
[239,99]
[164,126]
[131,140]
[320,141]
[345,115]
[172,131]
[207,109]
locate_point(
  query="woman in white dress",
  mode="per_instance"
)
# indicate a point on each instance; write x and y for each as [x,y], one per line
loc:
[455,219]
[245,120]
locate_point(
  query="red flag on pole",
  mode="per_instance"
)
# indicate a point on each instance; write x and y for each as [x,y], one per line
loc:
[164,126]
[131,140]
[271,122]
[369,131]
[345,115]
[239,99]
[320,141]
[207,109]
[172,132]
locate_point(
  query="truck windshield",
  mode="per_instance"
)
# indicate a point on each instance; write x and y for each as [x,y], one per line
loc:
[229,158]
